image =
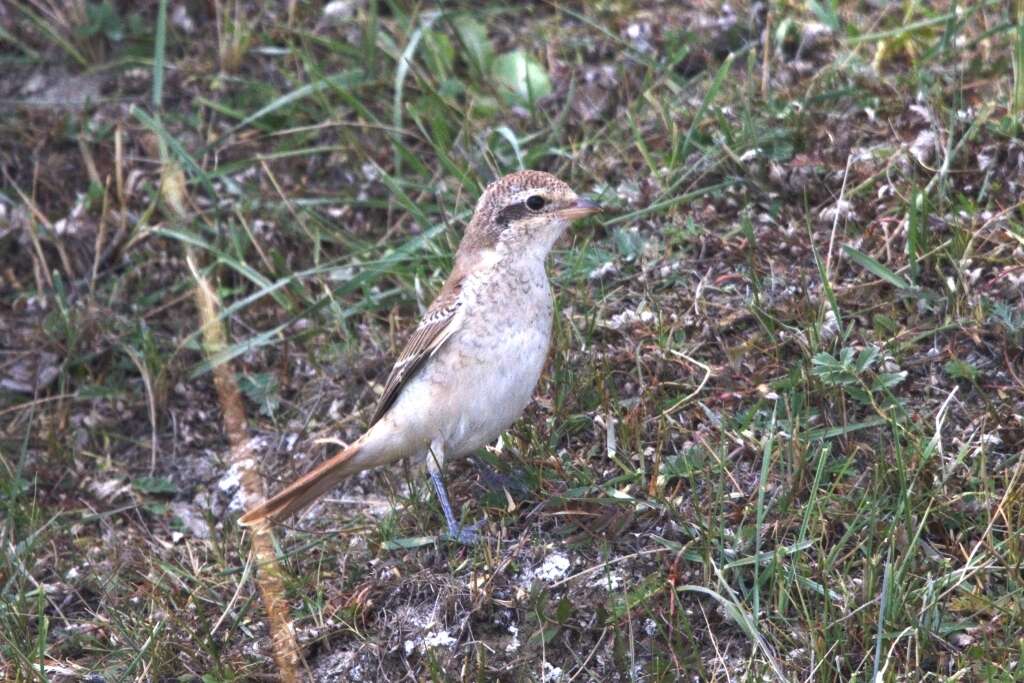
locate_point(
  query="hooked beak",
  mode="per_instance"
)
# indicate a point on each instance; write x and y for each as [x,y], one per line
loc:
[581,209]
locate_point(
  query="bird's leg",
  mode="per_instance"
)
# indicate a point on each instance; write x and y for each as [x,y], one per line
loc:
[456,532]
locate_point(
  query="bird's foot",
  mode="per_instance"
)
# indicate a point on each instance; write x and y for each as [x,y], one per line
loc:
[466,535]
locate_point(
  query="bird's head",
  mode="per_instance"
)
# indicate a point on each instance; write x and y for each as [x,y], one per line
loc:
[524,212]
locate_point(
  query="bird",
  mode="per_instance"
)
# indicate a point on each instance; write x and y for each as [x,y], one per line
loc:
[469,369]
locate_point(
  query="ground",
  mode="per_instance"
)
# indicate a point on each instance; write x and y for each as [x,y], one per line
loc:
[779,435]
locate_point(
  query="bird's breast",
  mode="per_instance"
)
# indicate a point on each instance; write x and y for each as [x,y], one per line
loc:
[503,344]
[511,311]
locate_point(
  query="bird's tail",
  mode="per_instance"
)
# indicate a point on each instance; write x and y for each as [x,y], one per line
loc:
[308,487]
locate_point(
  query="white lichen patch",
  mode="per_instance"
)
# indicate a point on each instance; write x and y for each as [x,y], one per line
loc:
[513,642]
[630,318]
[554,568]
[604,270]
[551,673]
[431,641]
[440,638]
[611,581]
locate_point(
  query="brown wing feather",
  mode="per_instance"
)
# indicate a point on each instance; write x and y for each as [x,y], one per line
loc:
[433,330]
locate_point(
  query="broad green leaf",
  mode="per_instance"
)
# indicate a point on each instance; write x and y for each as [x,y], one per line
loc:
[520,79]
[958,369]
[887,380]
[262,389]
[866,358]
[154,485]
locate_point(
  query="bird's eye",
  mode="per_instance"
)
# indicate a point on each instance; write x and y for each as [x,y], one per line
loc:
[535,202]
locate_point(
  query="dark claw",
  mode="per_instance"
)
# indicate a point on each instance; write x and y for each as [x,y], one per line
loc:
[466,535]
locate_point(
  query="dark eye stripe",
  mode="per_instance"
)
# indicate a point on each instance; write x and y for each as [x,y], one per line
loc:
[511,213]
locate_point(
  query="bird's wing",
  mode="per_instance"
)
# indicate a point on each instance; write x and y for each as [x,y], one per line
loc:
[439,323]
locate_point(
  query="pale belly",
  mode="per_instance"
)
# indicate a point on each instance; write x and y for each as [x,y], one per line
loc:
[499,384]
[482,379]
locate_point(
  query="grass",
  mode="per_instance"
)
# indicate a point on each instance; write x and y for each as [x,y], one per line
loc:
[779,434]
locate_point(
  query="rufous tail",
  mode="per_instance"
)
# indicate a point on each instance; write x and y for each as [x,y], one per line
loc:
[305,489]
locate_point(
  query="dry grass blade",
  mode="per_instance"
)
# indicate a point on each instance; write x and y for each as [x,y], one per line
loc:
[268,574]
[269,577]
[140,365]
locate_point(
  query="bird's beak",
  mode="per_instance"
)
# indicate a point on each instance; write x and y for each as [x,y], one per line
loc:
[581,209]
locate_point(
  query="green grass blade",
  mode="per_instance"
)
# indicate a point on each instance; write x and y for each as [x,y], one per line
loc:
[875,268]
[159,55]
